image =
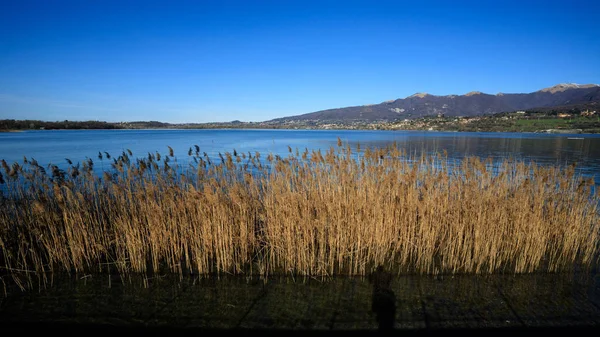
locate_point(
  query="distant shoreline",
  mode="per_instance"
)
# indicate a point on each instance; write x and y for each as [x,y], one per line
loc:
[549,131]
[574,122]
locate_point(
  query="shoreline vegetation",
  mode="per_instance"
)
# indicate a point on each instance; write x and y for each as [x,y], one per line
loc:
[312,213]
[573,120]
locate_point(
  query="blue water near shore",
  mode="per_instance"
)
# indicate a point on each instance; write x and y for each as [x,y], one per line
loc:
[55,146]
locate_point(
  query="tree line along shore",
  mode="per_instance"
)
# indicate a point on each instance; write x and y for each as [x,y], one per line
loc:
[573,120]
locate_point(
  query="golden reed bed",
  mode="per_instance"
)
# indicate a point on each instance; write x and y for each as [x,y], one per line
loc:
[311,213]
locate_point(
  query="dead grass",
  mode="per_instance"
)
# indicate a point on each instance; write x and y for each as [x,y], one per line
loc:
[310,213]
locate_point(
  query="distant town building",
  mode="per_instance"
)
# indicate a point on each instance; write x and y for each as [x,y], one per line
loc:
[588,113]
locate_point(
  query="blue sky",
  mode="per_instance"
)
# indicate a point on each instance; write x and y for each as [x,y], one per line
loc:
[215,61]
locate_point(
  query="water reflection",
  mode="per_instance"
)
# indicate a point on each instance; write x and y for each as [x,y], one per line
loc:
[563,150]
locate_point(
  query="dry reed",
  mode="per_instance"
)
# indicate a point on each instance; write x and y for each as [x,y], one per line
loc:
[310,213]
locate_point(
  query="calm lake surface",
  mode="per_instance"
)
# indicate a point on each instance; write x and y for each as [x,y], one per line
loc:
[54,146]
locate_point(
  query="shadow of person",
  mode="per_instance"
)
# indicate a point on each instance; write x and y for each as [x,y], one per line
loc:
[383,301]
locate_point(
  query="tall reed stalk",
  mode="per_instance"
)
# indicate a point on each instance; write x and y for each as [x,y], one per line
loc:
[313,213]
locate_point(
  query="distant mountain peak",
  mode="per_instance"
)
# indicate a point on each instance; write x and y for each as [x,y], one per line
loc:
[420,95]
[565,86]
[474,103]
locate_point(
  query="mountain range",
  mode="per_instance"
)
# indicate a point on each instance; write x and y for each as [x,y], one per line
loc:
[474,103]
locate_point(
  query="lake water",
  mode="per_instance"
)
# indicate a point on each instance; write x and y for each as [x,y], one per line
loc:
[55,146]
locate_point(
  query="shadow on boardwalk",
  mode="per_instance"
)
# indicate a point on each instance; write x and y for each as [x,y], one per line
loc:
[383,300]
[381,304]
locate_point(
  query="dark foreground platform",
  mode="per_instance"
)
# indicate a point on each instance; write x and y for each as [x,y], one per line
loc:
[109,330]
[505,305]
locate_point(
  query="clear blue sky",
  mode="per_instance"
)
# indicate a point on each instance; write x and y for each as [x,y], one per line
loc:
[213,61]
